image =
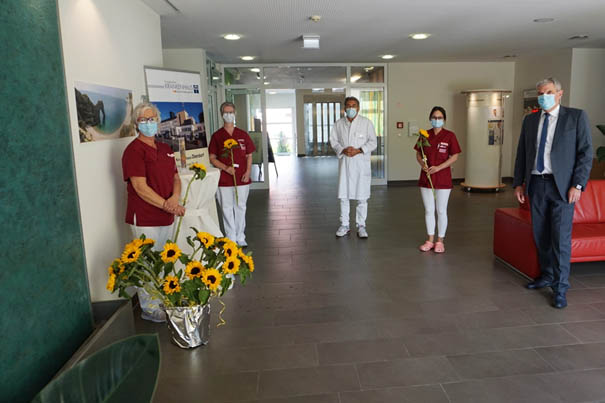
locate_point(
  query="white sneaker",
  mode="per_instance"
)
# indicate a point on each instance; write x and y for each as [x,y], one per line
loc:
[342,231]
[362,233]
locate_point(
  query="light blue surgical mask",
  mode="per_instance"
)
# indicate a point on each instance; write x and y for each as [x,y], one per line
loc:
[546,101]
[351,113]
[149,129]
[437,123]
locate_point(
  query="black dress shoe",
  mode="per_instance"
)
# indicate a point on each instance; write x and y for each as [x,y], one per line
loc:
[537,284]
[559,301]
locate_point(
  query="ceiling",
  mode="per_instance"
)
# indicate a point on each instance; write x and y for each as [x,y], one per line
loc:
[361,31]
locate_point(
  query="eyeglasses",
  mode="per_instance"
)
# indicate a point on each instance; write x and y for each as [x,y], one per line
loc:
[147,120]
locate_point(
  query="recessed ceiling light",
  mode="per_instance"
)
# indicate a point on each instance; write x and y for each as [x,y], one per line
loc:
[311,41]
[232,37]
[577,37]
[369,68]
[419,36]
[542,20]
[255,70]
[315,18]
[266,83]
[387,57]
[247,58]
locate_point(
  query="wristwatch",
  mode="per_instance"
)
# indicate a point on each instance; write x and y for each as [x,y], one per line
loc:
[579,187]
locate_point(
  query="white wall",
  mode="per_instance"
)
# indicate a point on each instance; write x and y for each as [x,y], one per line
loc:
[588,88]
[414,88]
[530,70]
[105,42]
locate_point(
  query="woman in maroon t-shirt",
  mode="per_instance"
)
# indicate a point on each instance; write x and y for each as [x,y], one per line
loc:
[441,154]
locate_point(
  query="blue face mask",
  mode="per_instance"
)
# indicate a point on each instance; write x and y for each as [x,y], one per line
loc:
[149,129]
[546,101]
[351,113]
[437,123]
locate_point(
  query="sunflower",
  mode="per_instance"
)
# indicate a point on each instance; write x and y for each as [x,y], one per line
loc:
[212,278]
[171,285]
[111,283]
[206,239]
[230,143]
[248,260]
[231,265]
[424,133]
[131,253]
[137,243]
[230,249]
[171,253]
[198,166]
[194,269]
[148,241]
[116,262]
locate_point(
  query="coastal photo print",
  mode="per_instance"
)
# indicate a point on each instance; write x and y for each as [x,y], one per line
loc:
[104,113]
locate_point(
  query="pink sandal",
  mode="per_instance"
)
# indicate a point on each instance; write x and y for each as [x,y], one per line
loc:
[439,247]
[427,246]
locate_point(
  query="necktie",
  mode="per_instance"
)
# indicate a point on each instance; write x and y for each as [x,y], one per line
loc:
[540,162]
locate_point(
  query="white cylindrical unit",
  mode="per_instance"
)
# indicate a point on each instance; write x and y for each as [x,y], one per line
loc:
[485,135]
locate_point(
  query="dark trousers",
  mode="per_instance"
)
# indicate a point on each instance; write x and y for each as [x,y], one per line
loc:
[552,220]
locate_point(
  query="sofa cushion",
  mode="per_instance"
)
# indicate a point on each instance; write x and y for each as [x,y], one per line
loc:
[588,240]
[591,206]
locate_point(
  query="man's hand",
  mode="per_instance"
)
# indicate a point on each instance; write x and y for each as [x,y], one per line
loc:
[246,177]
[351,151]
[573,195]
[519,194]
[230,170]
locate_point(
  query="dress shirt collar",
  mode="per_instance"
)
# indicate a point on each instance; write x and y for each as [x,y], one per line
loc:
[554,113]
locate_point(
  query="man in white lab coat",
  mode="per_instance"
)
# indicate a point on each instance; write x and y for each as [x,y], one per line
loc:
[353,138]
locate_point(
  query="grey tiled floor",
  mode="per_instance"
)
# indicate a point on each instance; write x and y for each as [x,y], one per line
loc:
[328,320]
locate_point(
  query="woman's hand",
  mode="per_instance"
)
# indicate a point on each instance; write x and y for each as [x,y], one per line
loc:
[171,203]
[433,169]
[230,170]
[246,177]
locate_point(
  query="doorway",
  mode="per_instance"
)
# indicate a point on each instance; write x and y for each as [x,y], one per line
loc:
[320,112]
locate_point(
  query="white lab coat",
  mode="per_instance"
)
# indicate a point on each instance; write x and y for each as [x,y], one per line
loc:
[354,173]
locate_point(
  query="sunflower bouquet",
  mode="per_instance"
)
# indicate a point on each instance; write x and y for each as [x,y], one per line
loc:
[229,145]
[208,271]
[423,141]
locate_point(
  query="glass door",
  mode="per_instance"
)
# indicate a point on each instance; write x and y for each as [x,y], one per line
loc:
[320,114]
[372,107]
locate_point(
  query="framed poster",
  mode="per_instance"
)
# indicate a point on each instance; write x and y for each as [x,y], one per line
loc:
[176,94]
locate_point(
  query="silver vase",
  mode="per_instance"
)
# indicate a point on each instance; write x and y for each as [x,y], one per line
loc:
[189,325]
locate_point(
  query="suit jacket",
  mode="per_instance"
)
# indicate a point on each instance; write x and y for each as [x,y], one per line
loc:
[571,153]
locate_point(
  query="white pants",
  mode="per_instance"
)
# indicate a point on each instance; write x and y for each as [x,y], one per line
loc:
[361,212]
[443,196]
[234,214]
[150,306]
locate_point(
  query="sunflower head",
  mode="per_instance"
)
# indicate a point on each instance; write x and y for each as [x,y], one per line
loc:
[230,249]
[212,278]
[148,241]
[171,253]
[117,263]
[424,133]
[194,269]
[206,239]
[198,167]
[248,260]
[111,282]
[136,243]
[131,253]
[231,265]
[171,285]
[230,143]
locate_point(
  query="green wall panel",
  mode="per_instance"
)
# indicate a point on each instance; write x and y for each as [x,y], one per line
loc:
[45,312]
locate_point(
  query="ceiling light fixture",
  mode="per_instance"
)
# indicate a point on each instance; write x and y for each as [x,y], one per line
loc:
[419,36]
[266,83]
[247,58]
[578,37]
[232,37]
[310,41]
[315,18]
[544,20]
[387,57]
[255,70]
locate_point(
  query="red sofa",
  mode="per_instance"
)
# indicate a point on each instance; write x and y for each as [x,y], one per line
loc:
[514,242]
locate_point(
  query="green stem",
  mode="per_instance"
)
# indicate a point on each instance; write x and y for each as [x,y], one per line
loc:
[428,175]
[178,227]
[234,179]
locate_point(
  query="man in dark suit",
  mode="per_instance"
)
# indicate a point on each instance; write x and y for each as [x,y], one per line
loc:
[554,158]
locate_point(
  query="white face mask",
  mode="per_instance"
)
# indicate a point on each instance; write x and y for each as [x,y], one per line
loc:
[229,117]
